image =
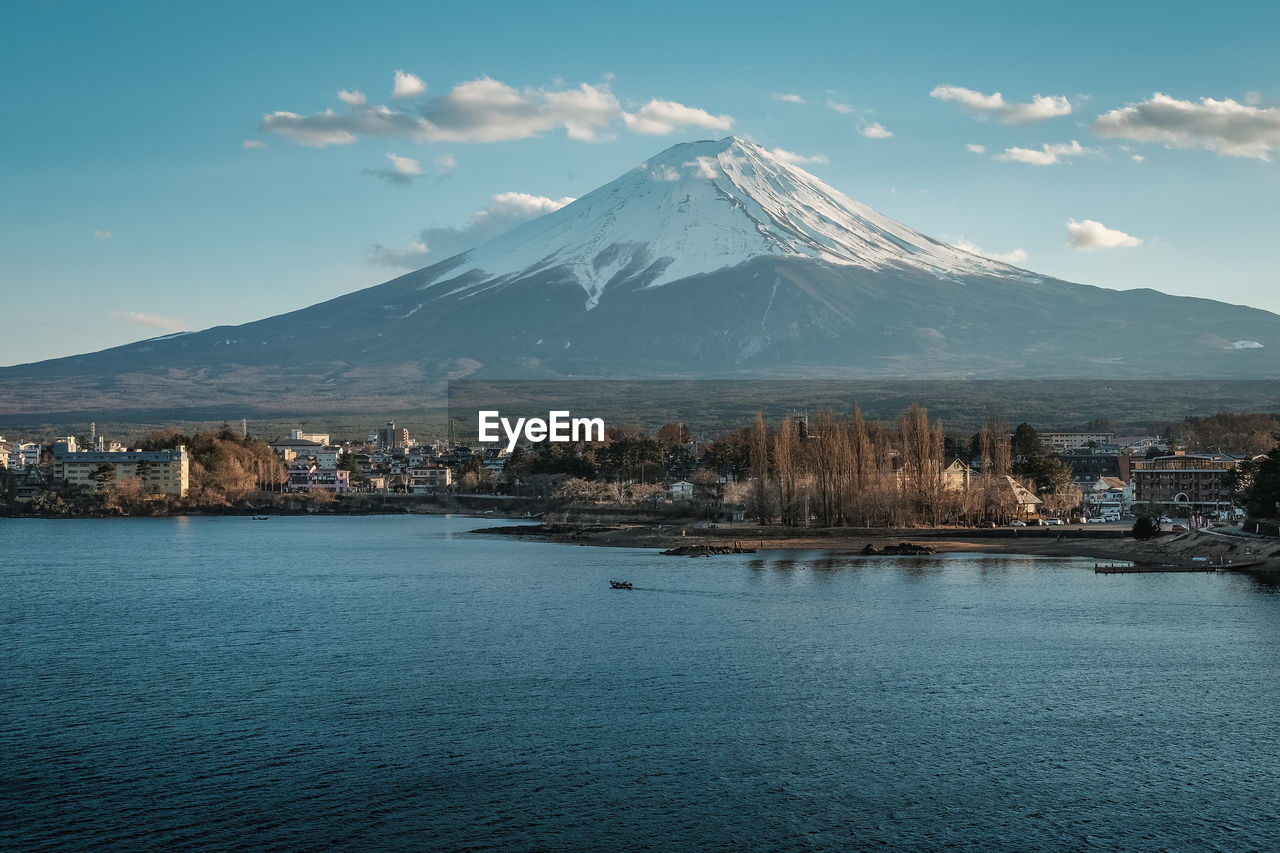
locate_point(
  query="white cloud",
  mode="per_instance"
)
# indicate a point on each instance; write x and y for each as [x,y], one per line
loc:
[787,98]
[408,86]
[1016,256]
[405,165]
[1137,158]
[251,144]
[837,107]
[1253,98]
[796,159]
[1041,106]
[658,118]
[446,165]
[706,167]
[152,321]
[975,149]
[876,130]
[487,110]
[1229,128]
[352,98]
[483,110]
[403,170]
[1088,234]
[1047,155]
[665,173]
[102,234]
[503,212]
[411,256]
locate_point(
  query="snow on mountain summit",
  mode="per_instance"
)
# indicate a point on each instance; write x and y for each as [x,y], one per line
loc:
[699,207]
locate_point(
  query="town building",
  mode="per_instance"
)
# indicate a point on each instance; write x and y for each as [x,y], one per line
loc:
[317,437]
[311,478]
[1061,442]
[428,479]
[164,472]
[1086,468]
[296,448]
[1183,484]
[5,449]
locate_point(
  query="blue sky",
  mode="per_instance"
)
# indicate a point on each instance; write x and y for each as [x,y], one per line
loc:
[130,205]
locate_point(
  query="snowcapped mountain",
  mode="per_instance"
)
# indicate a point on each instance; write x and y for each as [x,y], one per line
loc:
[700,207]
[712,259]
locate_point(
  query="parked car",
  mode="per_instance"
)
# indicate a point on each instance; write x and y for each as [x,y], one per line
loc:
[1179,528]
[1164,519]
[1016,523]
[1098,520]
[985,525]
[1053,521]
[1036,522]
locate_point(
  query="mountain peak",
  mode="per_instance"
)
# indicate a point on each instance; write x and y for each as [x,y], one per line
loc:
[699,207]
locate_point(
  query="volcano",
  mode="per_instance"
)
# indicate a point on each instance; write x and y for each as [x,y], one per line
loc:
[713,259]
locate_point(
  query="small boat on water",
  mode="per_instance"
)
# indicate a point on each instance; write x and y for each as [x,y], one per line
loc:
[620,585]
[261,517]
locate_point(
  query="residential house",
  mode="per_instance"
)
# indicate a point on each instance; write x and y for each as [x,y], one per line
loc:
[311,478]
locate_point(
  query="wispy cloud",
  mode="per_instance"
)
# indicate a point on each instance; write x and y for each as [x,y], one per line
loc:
[1226,127]
[503,212]
[352,99]
[1015,256]
[252,144]
[403,170]
[152,321]
[797,159]
[102,234]
[408,85]
[788,98]
[973,148]
[983,105]
[1089,234]
[1047,155]
[659,118]
[838,107]
[446,165]
[876,130]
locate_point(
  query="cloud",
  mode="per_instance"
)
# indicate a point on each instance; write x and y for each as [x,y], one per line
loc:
[706,167]
[503,212]
[251,144]
[1047,155]
[101,234]
[408,86]
[1016,256]
[488,110]
[795,159]
[1229,128]
[353,98]
[152,321]
[876,130]
[446,165]
[788,98]
[1088,234]
[837,107]
[973,148]
[403,170]
[1137,158]
[483,110]
[1041,106]
[658,118]
[665,173]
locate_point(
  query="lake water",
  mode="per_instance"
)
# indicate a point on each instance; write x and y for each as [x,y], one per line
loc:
[396,683]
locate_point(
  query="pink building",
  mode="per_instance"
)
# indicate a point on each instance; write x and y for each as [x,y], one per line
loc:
[309,478]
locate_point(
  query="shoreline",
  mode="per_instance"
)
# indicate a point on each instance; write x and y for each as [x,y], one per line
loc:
[1110,545]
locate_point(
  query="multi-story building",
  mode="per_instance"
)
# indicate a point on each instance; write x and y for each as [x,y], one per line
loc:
[25,454]
[165,472]
[317,437]
[1061,442]
[1086,468]
[430,478]
[1182,484]
[5,449]
[311,478]
[296,448]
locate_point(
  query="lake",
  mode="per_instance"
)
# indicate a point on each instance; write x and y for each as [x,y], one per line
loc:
[399,683]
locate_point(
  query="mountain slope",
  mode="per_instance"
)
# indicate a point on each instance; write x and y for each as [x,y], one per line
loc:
[712,259]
